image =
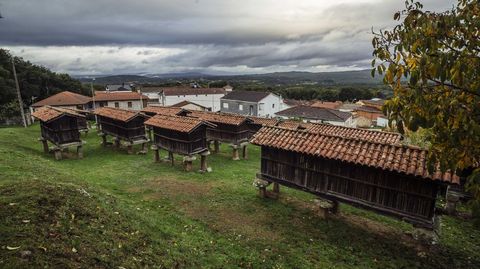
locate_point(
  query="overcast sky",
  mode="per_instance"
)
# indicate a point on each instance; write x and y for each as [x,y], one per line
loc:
[211,36]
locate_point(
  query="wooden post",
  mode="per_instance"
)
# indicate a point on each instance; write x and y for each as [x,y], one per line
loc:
[150,133]
[45,144]
[216,146]
[80,152]
[235,155]
[209,145]
[262,191]
[170,157]
[203,161]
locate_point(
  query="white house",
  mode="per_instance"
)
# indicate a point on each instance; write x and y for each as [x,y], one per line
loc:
[120,99]
[168,96]
[261,104]
[318,115]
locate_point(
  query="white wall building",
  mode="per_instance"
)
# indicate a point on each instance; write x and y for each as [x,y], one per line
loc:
[260,104]
[121,99]
[168,96]
[318,115]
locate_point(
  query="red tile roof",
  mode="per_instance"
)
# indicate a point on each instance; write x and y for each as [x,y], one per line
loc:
[64,98]
[330,105]
[162,110]
[177,123]
[346,132]
[170,91]
[264,121]
[118,96]
[392,157]
[48,113]
[118,114]
[217,117]
[185,102]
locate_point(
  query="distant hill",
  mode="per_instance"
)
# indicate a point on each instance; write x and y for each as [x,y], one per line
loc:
[277,78]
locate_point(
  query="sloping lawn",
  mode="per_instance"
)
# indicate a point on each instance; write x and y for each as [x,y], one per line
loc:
[116,210]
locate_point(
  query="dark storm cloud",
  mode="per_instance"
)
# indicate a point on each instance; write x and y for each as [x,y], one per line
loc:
[162,36]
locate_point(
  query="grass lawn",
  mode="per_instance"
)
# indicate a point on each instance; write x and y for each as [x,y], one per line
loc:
[116,210]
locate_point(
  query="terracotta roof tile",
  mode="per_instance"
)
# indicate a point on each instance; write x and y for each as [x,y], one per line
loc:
[346,132]
[64,98]
[263,121]
[218,117]
[118,114]
[392,157]
[48,113]
[118,96]
[177,123]
[162,110]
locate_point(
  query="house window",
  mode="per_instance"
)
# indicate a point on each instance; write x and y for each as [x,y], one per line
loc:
[225,105]
[129,104]
[273,105]
[240,107]
[251,110]
[260,106]
[117,104]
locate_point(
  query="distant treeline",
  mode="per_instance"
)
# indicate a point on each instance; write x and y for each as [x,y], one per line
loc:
[315,92]
[36,82]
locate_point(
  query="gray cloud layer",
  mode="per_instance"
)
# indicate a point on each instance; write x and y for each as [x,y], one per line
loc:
[222,35]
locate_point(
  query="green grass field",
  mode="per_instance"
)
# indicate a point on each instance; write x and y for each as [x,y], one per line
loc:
[116,210]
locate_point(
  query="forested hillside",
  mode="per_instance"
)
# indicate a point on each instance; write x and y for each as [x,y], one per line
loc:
[36,82]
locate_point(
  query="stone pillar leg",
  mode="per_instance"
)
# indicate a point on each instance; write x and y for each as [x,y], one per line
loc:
[104,140]
[262,191]
[170,157]
[80,152]
[156,153]
[235,155]
[209,145]
[276,187]
[216,146]
[130,148]
[144,148]
[203,161]
[45,145]
[188,162]
[452,201]
[58,154]
[117,143]
[245,152]
[150,134]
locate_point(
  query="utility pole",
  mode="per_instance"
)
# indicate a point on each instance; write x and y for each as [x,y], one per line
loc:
[20,102]
[93,99]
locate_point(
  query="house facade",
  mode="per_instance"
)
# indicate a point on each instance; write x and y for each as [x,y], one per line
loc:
[168,96]
[318,115]
[65,99]
[123,100]
[260,104]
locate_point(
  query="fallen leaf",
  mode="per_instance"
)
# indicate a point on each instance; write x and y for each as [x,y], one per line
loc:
[26,221]
[12,248]
[74,250]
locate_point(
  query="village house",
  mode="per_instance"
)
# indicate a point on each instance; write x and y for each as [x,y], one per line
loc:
[168,96]
[118,88]
[188,105]
[318,115]
[368,112]
[261,104]
[120,99]
[65,99]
